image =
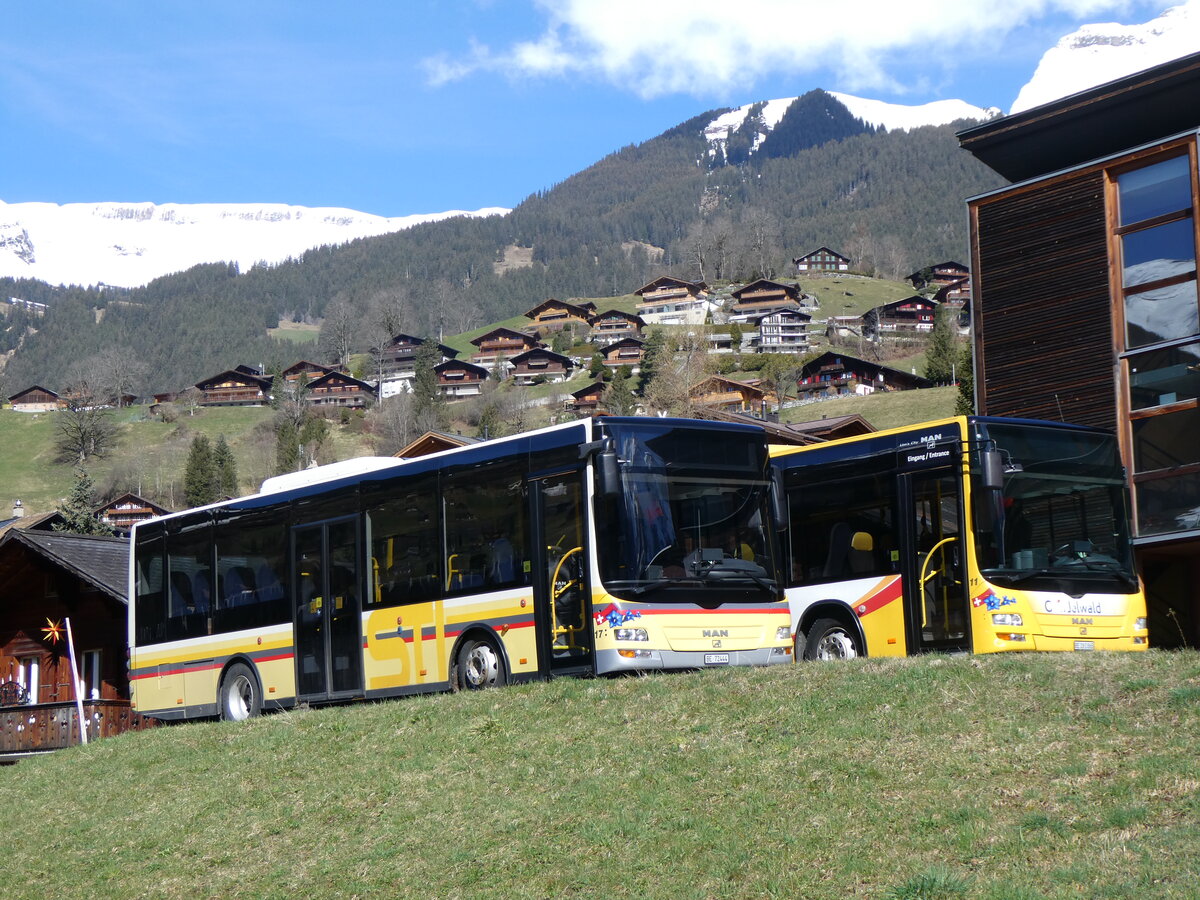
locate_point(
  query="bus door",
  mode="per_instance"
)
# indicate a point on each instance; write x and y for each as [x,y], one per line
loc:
[561,585]
[935,588]
[325,585]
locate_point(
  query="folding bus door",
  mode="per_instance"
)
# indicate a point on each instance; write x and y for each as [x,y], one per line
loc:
[326,579]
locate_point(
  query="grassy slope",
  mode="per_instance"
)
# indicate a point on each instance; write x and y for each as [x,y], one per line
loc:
[149,449]
[986,777]
[882,410]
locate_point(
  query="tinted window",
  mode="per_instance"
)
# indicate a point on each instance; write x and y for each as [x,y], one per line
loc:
[406,544]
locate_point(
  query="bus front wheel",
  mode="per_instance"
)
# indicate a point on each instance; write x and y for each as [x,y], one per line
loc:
[830,639]
[478,666]
[239,698]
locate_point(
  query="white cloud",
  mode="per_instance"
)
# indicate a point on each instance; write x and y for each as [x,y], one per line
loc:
[715,47]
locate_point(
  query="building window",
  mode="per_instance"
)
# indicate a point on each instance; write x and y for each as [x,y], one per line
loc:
[89,675]
[1154,229]
[27,676]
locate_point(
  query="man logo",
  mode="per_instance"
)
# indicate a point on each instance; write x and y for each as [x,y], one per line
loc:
[716,632]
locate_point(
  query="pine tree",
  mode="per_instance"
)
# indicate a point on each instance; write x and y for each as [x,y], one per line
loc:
[225,469]
[618,396]
[78,509]
[942,356]
[964,405]
[427,403]
[199,478]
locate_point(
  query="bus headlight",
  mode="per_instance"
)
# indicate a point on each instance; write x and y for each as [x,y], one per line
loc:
[1140,624]
[631,634]
[783,633]
[1012,620]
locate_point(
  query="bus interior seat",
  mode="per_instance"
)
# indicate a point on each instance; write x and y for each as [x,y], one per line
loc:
[181,593]
[861,555]
[239,586]
[202,589]
[839,549]
[269,585]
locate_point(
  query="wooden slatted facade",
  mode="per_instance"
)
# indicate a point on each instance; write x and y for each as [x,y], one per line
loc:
[1044,344]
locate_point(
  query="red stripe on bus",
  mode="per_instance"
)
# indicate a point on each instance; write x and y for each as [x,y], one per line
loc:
[869,604]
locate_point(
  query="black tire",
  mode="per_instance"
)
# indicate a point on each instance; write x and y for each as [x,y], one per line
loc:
[239,697]
[478,665]
[829,639]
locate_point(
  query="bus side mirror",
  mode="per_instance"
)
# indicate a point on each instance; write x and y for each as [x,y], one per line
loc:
[992,469]
[779,510]
[608,473]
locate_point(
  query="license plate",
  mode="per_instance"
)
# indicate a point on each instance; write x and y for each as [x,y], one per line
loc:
[716,659]
[1085,645]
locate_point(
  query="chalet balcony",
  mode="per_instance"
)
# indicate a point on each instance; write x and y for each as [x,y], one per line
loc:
[244,397]
[41,727]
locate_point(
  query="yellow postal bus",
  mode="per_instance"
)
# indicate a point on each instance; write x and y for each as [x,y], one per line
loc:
[593,547]
[966,534]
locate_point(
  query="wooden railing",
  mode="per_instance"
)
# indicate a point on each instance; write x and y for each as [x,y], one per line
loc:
[38,727]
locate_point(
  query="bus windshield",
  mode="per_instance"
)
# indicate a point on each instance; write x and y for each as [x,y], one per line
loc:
[690,520]
[1062,514]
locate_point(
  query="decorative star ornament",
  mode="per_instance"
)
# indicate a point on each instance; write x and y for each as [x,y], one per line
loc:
[53,631]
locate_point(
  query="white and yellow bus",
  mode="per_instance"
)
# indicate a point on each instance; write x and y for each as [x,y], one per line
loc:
[966,534]
[598,546]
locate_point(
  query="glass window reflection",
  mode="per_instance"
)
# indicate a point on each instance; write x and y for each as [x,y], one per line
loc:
[1163,377]
[1157,253]
[1155,190]
[1162,314]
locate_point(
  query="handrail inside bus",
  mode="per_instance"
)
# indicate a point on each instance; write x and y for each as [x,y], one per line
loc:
[924,578]
[568,630]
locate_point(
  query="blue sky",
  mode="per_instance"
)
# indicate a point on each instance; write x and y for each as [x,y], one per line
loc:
[418,106]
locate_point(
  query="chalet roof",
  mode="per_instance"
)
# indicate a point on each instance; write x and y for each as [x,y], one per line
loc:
[831,358]
[949,264]
[792,311]
[776,433]
[306,366]
[433,442]
[915,298]
[238,374]
[461,364]
[593,388]
[618,313]
[341,378]
[503,332]
[31,389]
[720,381]
[765,284]
[579,310]
[623,342]
[543,351]
[1127,112]
[668,281]
[248,370]
[833,428]
[129,497]
[409,340]
[800,259]
[102,562]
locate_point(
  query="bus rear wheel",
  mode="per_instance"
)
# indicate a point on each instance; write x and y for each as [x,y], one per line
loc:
[238,698]
[830,639]
[478,666]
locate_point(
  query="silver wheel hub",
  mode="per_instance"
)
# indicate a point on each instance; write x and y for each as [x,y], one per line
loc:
[481,666]
[836,645]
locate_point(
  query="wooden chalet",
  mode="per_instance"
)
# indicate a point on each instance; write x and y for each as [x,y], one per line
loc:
[672,301]
[310,371]
[956,294]
[625,352]
[540,365]
[36,399]
[555,315]
[501,345]
[613,325]
[340,390]
[833,428]
[783,331]
[433,442]
[399,354]
[459,378]
[121,513]
[837,373]
[938,275]
[821,261]
[1086,300]
[588,400]
[763,296]
[46,578]
[235,387]
[912,315]
[727,394]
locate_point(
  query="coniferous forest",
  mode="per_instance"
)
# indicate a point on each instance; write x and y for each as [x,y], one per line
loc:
[892,201]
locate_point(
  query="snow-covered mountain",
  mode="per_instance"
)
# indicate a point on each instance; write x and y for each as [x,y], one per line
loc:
[130,244]
[892,116]
[1095,54]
